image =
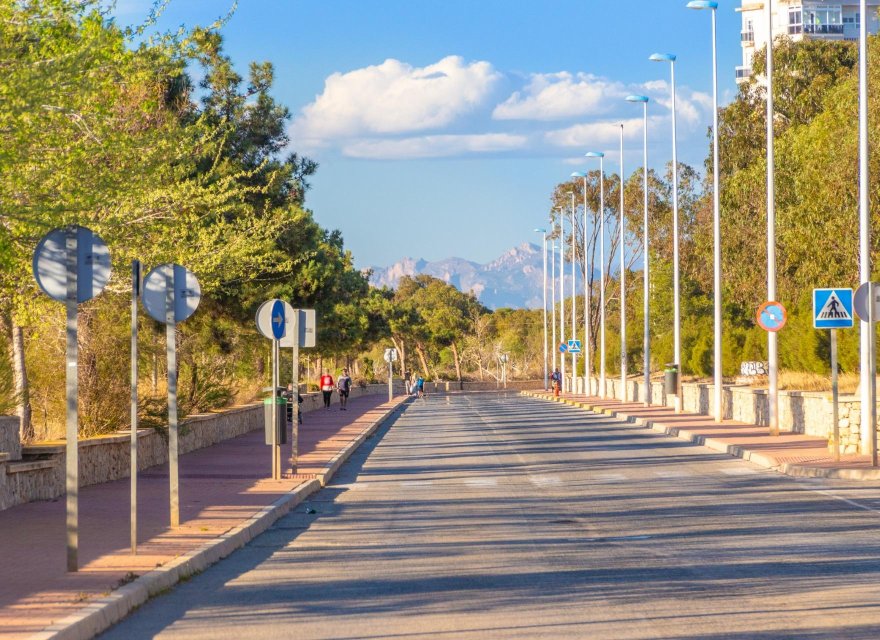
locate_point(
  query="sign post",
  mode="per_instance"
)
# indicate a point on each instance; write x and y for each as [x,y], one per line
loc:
[171,294]
[300,333]
[771,317]
[272,324]
[72,265]
[833,310]
[390,358]
[867,307]
[133,448]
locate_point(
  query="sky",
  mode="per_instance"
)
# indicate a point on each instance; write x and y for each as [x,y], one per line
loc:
[442,126]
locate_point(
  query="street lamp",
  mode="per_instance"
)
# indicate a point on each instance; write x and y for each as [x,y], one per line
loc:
[573,293]
[543,231]
[646,350]
[716,214]
[676,280]
[588,363]
[623,353]
[601,156]
[553,297]
[562,293]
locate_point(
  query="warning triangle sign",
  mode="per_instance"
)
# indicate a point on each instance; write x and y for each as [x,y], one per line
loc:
[833,309]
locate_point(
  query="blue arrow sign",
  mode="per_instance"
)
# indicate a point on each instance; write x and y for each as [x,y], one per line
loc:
[574,346]
[833,309]
[563,348]
[278,319]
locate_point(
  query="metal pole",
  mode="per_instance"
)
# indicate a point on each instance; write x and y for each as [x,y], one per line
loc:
[625,394]
[390,380]
[716,225]
[772,340]
[72,384]
[276,454]
[171,356]
[835,395]
[588,308]
[294,435]
[544,292]
[603,391]
[133,448]
[554,344]
[676,255]
[574,293]
[647,271]
[873,382]
[866,332]
[562,291]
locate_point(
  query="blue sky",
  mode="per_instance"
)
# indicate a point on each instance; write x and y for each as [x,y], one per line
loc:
[442,127]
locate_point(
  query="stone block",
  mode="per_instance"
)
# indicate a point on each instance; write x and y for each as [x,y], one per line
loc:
[9,438]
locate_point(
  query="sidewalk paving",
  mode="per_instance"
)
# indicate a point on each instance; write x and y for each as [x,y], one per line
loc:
[790,453]
[221,487]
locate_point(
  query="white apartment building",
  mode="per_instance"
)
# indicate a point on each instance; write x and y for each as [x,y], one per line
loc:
[800,19]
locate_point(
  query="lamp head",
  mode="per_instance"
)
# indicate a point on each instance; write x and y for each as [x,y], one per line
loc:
[643,99]
[578,174]
[540,230]
[662,57]
[702,4]
[594,154]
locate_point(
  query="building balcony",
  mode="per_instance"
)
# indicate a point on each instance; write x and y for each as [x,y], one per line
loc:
[824,29]
[747,37]
[743,73]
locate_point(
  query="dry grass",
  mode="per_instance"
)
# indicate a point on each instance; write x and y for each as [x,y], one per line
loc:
[803,381]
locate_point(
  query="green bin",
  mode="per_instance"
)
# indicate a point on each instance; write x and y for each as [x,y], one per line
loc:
[281,420]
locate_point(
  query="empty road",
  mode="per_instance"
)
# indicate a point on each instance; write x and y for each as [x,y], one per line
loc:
[497,516]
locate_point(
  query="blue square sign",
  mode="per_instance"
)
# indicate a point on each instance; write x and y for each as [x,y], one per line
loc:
[833,309]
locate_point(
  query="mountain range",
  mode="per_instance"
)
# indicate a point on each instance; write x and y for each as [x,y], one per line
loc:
[513,280]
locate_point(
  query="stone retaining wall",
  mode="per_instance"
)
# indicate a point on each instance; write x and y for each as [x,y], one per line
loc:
[10,443]
[41,475]
[804,412]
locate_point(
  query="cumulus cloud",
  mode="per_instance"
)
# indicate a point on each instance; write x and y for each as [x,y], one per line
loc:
[438,146]
[558,96]
[394,98]
[596,134]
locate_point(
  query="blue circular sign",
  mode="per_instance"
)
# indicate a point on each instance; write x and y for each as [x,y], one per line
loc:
[772,316]
[278,319]
[563,348]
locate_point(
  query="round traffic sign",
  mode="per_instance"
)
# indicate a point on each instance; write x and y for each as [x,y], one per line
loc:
[92,263]
[772,316]
[563,347]
[860,302]
[185,294]
[273,318]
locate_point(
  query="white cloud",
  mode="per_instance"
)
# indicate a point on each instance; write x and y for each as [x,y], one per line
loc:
[439,146]
[558,96]
[393,98]
[595,134]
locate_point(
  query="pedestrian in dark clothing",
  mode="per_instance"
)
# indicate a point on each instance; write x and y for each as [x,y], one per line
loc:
[343,386]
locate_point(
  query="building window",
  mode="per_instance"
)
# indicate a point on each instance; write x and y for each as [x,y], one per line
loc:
[822,20]
[795,21]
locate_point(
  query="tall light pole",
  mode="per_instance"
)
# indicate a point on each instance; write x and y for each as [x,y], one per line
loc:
[588,362]
[573,293]
[623,354]
[716,215]
[772,344]
[561,213]
[866,369]
[598,154]
[676,261]
[544,293]
[553,296]
[646,338]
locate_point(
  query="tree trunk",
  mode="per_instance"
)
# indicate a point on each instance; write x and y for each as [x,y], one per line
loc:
[421,352]
[22,387]
[457,364]
[400,345]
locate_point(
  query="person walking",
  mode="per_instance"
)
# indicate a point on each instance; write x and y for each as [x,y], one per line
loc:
[556,379]
[327,388]
[343,386]
[420,387]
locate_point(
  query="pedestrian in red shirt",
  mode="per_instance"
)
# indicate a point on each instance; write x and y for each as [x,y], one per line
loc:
[327,388]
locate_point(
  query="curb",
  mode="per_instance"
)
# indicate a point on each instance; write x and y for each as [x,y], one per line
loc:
[734,450]
[103,613]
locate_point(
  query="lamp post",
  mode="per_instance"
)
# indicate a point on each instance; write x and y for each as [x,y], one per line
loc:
[623,354]
[676,261]
[716,215]
[553,296]
[573,294]
[588,362]
[866,335]
[562,293]
[598,154]
[646,349]
[544,294]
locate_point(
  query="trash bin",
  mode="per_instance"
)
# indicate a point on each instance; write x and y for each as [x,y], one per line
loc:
[670,379]
[281,420]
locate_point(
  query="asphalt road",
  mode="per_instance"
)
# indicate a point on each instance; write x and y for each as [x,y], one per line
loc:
[491,516]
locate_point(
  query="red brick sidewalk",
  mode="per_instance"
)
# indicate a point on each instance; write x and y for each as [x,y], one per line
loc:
[791,453]
[221,487]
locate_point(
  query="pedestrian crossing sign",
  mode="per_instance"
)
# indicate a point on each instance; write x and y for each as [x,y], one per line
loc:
[833,309]
[574,346]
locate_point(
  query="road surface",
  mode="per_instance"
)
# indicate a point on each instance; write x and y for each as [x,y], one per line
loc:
[498,516]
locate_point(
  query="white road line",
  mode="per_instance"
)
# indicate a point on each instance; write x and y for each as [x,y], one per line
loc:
[481,482]
[610,477]
[545,481]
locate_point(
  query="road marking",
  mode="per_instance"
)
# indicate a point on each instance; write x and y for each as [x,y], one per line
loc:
[545,481]
[481,482]
[415,483]
[673,474]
